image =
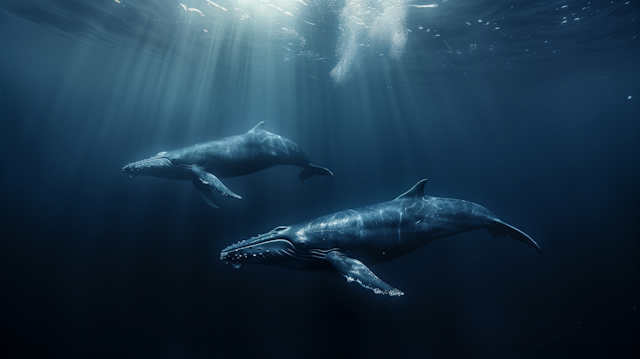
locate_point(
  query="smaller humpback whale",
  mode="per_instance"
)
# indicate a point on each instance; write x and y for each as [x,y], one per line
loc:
[205,163]
[373,234]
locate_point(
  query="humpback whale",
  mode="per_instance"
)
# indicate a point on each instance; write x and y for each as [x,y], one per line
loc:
[345,241]
[205,163]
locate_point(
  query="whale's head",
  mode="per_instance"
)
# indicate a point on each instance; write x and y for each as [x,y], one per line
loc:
[160,165]
[278,248]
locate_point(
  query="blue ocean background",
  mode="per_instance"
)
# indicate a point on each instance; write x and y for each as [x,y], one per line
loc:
[530,109]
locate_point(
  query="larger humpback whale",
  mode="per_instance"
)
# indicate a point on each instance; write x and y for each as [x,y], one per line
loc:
[345,240]
[205,163]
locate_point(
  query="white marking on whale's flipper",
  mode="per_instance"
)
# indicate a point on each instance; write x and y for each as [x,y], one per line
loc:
[210,180]
[356,271]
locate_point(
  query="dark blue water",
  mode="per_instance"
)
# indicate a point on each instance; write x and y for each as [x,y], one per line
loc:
[530,110]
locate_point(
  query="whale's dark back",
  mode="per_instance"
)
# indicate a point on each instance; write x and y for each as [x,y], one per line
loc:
[384,231]
[243,154]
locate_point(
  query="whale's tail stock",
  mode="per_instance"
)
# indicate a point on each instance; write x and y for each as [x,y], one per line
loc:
[314,170]
[502,229]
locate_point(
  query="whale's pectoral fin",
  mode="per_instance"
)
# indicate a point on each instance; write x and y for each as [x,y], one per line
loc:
[210,180]
[314,171]
[205,192]
[502,229]
[354,270]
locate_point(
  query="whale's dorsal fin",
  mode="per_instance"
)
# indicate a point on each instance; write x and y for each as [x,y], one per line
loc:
[415,191]
[257,127]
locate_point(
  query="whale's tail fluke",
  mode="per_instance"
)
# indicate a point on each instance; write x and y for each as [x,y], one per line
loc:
[502,229]
[314,170]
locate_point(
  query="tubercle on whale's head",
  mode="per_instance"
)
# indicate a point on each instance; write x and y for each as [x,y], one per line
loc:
[280,247]
[263,248]
[153,166]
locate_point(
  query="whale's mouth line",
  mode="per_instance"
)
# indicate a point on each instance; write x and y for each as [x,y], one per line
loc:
[146,160]
[260,238]
[153,164]
[277,251]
